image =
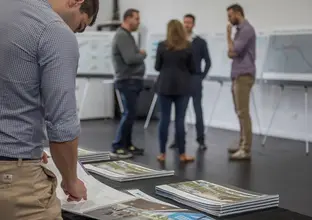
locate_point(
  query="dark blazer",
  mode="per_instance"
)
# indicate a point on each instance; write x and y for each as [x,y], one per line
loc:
[175,70]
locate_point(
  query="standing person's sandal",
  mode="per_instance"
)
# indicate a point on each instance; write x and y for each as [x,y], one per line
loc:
[186,159]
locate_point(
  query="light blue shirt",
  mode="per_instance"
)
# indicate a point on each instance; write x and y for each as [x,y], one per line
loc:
[38,66]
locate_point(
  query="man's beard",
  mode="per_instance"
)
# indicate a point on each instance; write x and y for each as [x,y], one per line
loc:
[235,22]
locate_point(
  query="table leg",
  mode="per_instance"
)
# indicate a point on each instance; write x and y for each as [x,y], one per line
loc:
[150,111]
[256,112]
[214,107]
[83,99]
[273,115]
[306,119]
[119,101]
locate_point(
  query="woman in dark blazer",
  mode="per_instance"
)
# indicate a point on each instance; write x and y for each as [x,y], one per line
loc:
[174,61]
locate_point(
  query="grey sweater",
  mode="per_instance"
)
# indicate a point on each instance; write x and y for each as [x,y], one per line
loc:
[127,60]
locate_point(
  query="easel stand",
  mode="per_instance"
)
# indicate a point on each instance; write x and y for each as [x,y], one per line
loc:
[151,110]
[214,107]
[118,96]
[221,82]
[273,115]
[306,115]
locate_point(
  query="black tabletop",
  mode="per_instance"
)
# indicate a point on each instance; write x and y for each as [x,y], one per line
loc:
[148,186]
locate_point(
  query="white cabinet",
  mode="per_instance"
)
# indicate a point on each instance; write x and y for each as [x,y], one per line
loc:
[95,98]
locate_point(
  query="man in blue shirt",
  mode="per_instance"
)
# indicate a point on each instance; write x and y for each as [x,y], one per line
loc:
[200,53]
[38,65]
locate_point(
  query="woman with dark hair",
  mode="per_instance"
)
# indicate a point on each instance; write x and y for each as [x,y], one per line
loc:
[174,61]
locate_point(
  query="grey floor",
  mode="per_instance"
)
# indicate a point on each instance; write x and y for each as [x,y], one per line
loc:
[280,167]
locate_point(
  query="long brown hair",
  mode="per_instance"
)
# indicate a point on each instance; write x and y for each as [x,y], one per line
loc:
[176,36]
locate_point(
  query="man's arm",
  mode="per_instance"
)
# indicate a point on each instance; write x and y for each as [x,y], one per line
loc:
[238,45]
[128,50]
[207,59]
[58,61]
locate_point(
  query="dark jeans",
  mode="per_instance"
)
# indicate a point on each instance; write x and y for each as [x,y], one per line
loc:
[129,91]
[197,94]
[165,102]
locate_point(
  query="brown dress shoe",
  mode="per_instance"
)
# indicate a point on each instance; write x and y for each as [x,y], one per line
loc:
[186,159]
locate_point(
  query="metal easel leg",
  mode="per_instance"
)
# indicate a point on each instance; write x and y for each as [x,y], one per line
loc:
[150,111]
[306,118]
[214,107]
[256,112]
[273,115]
[119,101]
[83,99]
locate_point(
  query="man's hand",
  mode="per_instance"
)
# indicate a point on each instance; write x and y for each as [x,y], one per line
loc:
[231,54]
[229,29]
[44,158]
[76,191]
[143,52]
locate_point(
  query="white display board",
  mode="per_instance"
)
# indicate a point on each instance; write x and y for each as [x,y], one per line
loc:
[96,52]
[151,49]
[221,63]
[289,55]
[262,44]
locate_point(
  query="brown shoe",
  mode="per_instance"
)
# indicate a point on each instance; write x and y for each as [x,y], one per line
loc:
[161,158]
[186,159]
[240,155]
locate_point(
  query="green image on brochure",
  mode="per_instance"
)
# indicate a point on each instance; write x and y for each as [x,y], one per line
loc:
[140,209]
[213,192]
[124,168]
[83,152]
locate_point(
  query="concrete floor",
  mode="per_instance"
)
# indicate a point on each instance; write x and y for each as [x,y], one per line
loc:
[280,167]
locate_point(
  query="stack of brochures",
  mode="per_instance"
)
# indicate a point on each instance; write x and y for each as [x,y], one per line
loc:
[215,199]
[125,171]
[86,156]
[99,194]
[145,207]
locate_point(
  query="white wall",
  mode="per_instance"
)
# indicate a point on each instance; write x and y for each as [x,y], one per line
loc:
[104,15]
[211,16]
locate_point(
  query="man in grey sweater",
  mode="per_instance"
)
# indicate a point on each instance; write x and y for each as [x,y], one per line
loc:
[129,67]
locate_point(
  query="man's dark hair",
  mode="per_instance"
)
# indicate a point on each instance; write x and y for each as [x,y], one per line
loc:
[190,16]
[91,8]
[129,13]
[236,8]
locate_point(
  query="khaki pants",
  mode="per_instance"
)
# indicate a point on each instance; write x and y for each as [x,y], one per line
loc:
[31,189]
[7,209]
[241,88]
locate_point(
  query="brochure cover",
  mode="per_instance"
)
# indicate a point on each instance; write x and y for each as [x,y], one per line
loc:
[213,192]
[124,168]
[141,209]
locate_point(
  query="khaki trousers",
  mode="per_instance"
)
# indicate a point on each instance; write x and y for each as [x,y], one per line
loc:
[241,88]
[7,209]
[30,189]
